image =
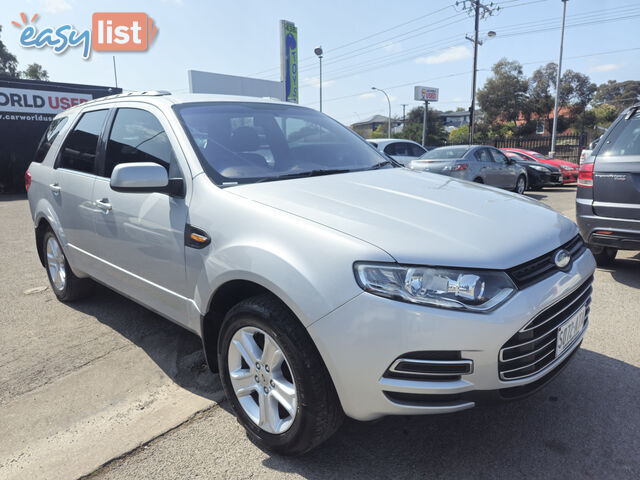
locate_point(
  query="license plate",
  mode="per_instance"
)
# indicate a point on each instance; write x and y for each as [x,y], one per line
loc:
[569,330]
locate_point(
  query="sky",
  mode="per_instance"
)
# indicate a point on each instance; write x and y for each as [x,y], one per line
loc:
[390,45]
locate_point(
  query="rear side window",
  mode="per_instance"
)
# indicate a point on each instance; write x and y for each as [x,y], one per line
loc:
[138,136]
[49,136]
[624,139]
[482,155]
[416,150]
[79,151]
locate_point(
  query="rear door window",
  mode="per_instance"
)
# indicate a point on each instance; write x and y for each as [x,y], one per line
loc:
[79,151]
[416,150]
[482,155]
[49,136]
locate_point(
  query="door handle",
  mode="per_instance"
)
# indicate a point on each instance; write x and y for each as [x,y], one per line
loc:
[104,205]
[55,188]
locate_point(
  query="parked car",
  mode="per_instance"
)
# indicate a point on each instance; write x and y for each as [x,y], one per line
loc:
[475,163]
[569,170]
[587,151]
[608,196]
[322,280]
[538,175]
[402,151]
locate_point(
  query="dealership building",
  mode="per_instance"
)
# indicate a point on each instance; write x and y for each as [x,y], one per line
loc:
[26,108]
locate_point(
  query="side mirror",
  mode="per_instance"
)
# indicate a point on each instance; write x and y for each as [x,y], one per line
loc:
[143,177]
[510,161]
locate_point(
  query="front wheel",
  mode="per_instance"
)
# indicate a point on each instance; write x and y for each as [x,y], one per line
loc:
[273,375]
[521,185]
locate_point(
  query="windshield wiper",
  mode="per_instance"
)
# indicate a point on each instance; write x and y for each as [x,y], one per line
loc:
[310,173]
[385,163]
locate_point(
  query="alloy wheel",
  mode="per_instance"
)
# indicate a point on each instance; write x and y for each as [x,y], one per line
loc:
[521,185]
[262,380]
[56,264]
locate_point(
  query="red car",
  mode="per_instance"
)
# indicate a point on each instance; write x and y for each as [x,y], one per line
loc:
[569,170]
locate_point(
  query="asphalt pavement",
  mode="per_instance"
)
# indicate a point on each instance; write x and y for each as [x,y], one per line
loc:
[105,388]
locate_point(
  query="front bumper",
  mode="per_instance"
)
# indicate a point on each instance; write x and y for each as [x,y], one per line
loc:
[569,176]
[361,339]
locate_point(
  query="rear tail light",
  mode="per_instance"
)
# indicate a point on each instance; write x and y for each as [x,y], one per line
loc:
[585,175]
[459,167]
[27,180]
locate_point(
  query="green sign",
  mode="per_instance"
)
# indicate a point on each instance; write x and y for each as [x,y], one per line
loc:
[290,61]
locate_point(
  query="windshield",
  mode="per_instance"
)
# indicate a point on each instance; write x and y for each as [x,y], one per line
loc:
[540,156]
[445,153]
[253,142]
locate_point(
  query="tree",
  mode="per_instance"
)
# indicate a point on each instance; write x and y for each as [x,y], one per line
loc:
[8,61]
[576,90]
[380,132]
[412,130]
[35,72]
[504,94]
[618,94]
[460,135]
[604,115]
[540,98]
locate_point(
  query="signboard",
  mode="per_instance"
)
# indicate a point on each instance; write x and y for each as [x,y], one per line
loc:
[209,82]
[289,60]
[37,102]
[426,94]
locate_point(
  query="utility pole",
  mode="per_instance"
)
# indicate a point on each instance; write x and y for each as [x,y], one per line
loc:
[479,11]
[404,117]
[115,73]
[318,51]
[552,153]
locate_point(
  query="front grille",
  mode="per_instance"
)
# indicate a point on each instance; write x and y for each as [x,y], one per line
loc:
[534,346]
[544,266]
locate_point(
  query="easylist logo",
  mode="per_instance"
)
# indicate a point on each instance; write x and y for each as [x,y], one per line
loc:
[110,31]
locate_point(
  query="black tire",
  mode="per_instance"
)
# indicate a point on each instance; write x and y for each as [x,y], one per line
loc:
[318,414]
[74,288]
[605,256]
[520,185]
[478,180]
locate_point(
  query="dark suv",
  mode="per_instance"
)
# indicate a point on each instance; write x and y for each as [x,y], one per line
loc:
[608,197]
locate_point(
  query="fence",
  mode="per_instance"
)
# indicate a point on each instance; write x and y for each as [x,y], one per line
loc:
[568,147]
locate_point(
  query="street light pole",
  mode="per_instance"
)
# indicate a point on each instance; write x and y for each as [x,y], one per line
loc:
[555,108]
[318,52]
[475,71]
[424,123]
[388,100]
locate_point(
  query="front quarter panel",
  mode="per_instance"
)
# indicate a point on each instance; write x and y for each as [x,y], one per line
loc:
[307,265]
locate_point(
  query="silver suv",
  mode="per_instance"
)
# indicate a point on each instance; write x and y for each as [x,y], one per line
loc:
[322,280]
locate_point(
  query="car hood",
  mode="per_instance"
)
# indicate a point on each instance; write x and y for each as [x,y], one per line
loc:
[422,218]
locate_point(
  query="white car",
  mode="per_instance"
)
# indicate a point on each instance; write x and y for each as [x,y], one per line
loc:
[402,151]
[322,280]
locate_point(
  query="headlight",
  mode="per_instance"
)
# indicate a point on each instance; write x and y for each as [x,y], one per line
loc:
[564,167]
[474,290]
[540,169]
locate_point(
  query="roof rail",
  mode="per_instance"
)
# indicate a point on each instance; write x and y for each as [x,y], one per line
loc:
[146,93]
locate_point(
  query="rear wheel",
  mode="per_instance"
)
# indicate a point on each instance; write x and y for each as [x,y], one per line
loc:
[478,180]
[275,379]
[64,283]
[604,256]
[521,185]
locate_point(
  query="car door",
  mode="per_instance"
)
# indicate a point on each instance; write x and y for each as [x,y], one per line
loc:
[142,234]
[72,188]
[616,171]
[506,173]
[486,167]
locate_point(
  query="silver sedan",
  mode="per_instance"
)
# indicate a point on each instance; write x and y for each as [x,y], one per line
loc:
[475,163]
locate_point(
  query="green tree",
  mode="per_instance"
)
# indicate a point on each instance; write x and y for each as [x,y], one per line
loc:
[460,135]
[604,115]
[412,130]
[618,94]
[8,61]
[35,72]
[540,99]
[576,90]
[381,131]
[504,94]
